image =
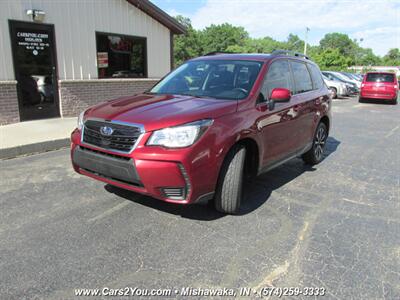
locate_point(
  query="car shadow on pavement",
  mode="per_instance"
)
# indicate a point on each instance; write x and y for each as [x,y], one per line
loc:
[376,101]
[259,190]
[256,193]
[196,211]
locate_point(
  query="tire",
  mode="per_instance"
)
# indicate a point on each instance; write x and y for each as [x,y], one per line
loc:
[334,92]
[230,182]
[316,154]
[360,100]
[394,101]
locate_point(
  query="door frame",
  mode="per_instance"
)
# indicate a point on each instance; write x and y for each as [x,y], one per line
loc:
[41,26]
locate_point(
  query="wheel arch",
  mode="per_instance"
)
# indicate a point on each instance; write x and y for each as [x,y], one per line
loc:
[326,121]
[252,161]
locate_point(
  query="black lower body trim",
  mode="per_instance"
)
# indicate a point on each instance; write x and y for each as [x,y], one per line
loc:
[106,166]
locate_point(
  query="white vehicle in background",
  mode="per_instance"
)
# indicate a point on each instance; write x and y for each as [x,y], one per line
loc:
[347,78]
[337,88]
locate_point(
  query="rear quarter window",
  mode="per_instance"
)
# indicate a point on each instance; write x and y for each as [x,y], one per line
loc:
[316,76]
[302,78]
[376,77]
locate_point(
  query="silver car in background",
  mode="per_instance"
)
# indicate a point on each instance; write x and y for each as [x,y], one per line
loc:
[347,78]
[335,76]
[337,88]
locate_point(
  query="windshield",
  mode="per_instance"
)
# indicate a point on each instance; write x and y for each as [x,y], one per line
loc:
[333,77]
[348,76]
[354,76]
[343,76]
[220,79]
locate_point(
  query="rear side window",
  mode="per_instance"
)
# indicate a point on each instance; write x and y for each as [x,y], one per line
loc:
[302,79]
[316,76]
[278,76]
[377,77]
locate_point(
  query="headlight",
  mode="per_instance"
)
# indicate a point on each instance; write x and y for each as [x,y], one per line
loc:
[179,136]
[80,120]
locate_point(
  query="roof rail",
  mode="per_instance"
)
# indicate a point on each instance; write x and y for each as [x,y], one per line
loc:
[217,52]
[289,52]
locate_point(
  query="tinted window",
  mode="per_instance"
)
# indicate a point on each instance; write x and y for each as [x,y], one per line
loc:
[221,79]
[120,56]
[316,76]
[302,77]
[377,77]
[278,76]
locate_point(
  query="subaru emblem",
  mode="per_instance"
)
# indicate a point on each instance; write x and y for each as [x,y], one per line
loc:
[105,130]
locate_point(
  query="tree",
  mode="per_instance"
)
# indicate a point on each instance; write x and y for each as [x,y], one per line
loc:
[259,45]
[346,46]
[366,57]
[188,45]
[392,58]
[220,37]
[332,59]
[294,43]
[336,51]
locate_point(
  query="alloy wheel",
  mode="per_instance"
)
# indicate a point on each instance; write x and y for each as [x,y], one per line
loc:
[319,143]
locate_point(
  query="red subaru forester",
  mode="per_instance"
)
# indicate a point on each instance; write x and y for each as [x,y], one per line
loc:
[206,127]
[379,85]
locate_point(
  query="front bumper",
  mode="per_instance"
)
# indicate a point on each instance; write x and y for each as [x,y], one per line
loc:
[169,175]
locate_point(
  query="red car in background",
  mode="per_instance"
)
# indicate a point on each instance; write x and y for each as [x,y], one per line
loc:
[379,85]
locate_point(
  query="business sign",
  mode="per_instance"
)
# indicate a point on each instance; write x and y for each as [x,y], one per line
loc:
[33,41]
[102,59]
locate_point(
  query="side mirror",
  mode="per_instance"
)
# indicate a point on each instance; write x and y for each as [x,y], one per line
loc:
[280,95]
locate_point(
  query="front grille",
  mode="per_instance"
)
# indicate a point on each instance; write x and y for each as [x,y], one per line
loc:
[123,137]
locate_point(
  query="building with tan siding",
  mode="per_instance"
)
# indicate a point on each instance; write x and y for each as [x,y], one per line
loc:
[58,57]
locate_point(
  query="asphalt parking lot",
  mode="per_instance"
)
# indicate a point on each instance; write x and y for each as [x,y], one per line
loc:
[336,225]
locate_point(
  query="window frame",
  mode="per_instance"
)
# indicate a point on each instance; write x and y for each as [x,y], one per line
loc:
[97,33]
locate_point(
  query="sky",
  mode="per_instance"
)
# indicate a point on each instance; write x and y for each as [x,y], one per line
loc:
[376,22]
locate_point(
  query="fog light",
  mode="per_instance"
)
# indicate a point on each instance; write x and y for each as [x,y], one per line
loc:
[173,193]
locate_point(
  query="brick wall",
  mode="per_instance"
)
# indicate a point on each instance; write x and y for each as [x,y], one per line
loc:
[9,112]
[77,95]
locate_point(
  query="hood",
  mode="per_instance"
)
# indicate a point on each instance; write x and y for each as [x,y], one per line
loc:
[160,111]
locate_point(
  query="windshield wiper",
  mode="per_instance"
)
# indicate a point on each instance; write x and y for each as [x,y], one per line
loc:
[197,96]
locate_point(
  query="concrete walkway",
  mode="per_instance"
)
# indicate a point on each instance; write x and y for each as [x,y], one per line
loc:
[35,136]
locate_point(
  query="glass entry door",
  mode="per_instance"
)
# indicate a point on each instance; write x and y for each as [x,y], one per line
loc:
[33,47]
